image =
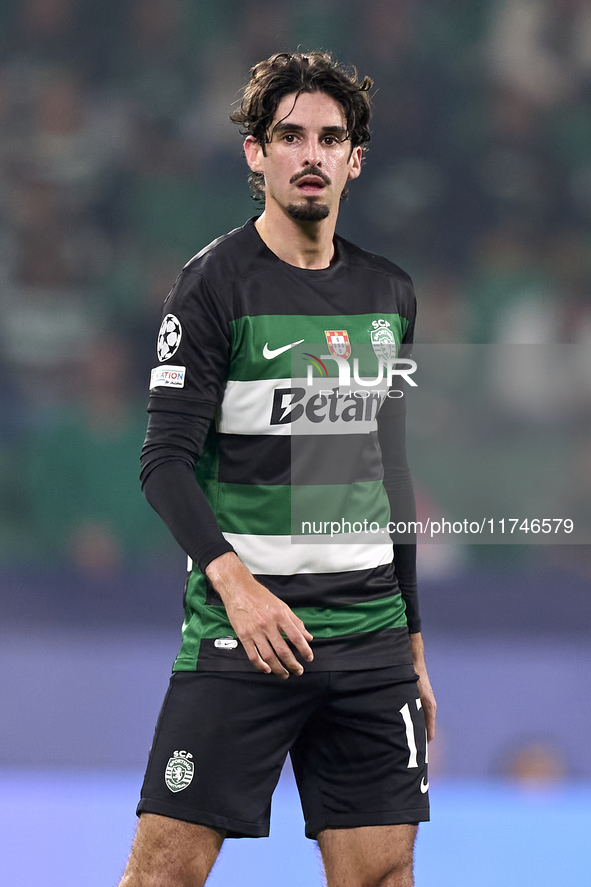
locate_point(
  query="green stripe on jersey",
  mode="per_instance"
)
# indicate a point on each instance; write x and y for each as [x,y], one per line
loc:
[283,510]
[250,335]
[377,615]
[322,622]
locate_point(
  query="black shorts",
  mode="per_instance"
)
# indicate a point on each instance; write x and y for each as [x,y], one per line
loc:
[356,738]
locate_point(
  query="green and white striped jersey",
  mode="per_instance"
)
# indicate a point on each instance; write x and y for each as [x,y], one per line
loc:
[287,362]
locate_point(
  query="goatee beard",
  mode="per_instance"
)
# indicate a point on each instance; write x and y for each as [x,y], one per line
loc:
[308,212]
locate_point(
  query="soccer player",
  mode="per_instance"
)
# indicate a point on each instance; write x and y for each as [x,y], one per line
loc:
[292,641]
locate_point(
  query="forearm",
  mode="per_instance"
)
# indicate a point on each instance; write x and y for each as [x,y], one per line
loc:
[417,648]
[173,492]
[423,684]
[405,557]
[399,489]
[174,442]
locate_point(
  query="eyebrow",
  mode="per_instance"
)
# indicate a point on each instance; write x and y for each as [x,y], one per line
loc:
[338,131]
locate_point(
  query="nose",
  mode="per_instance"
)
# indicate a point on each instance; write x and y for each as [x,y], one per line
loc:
[313,153]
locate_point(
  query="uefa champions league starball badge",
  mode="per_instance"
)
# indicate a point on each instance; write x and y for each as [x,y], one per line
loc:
[169,337]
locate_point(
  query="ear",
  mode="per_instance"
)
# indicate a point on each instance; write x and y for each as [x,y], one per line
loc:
[254,153]
[355,163]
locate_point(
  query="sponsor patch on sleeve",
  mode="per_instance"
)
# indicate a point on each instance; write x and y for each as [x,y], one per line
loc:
[168,377]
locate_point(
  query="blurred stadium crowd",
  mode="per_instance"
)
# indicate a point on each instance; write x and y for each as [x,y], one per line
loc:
[118,163]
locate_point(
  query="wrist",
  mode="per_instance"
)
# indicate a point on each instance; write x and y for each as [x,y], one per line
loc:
[417,649]
[226,572]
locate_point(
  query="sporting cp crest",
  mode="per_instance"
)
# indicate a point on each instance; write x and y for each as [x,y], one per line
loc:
[382,340]
[179,771]
[338,343]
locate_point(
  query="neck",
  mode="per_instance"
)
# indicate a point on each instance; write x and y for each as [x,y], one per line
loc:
[303,244]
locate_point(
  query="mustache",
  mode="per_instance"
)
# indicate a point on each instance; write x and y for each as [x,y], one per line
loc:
[312,171]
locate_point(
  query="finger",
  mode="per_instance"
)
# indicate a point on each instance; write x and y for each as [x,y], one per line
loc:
[300,625]
[284,654]
[253,655]
[267,654]
[297,638]
[430,725]
[430,721]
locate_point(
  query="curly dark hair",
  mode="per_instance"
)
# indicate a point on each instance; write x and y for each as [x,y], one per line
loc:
[295,72]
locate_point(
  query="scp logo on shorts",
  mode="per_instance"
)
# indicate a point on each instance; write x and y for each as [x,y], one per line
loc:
[179,771]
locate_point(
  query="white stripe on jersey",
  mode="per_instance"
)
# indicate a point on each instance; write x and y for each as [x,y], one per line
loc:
[292,406]
[280,556]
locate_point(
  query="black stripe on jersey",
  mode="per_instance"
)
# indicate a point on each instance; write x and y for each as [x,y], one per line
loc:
[378,649]
[301,459]
[286,289]
[268,457]
[327,589]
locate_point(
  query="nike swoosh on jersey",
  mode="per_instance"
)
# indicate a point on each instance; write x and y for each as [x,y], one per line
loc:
[277,351]
[424,785]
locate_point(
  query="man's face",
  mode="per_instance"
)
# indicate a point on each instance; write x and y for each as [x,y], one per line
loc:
[308,160]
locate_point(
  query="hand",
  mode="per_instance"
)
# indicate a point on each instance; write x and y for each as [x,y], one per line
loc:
[259,618]
[424,685]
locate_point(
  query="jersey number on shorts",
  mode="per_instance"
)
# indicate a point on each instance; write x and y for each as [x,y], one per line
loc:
[410,735]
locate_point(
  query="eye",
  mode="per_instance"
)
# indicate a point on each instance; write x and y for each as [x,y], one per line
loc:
[290,138]
[330,141]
